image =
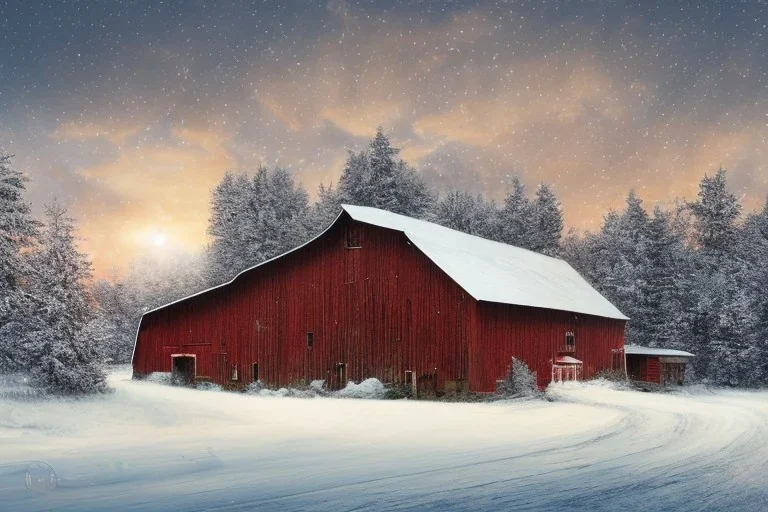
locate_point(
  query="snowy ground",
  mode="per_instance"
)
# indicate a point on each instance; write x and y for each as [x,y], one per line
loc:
[153,447]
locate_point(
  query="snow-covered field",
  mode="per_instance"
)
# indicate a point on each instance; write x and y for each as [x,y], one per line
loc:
[153,447]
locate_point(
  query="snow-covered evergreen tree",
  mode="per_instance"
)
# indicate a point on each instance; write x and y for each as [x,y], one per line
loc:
[277,214]
[376,177]
[716,213]
[253,220]
[752,253]
[515,217]
[324,211]
[470,214]
[617,258]
[227,228]
[546,216]
[719,327]
[662,285]
[520,380]
[17,234]
[64,360]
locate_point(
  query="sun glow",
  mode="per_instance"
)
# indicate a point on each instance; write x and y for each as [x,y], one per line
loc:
[159,239]
[154,238]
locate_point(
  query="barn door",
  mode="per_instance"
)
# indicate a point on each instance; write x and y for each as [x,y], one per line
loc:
[182,369]
[341,376]
[221,371]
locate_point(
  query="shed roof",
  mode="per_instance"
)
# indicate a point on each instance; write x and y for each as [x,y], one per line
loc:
[496,272]
[567,360]
[649,351]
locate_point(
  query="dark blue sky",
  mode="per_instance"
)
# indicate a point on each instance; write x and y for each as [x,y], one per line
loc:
[131,111]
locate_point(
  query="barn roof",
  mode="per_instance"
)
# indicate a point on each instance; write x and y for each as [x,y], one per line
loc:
[487,270]
[648,351]
[496,272]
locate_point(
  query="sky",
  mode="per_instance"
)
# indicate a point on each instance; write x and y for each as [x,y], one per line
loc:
[130,112]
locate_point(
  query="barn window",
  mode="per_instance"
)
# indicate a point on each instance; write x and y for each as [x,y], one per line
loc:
[352,240]
[255,372]
[234,372]
[310,340]
[570,341]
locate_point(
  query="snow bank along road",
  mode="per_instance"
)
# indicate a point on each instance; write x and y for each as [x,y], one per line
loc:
[152,447]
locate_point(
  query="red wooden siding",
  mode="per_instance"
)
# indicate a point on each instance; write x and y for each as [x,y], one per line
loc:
[644,368]
[536,336]
[654,370]
[382,309]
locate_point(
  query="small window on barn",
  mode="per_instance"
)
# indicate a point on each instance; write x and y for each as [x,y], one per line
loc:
[234,372]
[310,340]
[352,239]
[570,340]
[255,374]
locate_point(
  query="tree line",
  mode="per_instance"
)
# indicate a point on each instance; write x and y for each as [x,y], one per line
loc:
[690,277]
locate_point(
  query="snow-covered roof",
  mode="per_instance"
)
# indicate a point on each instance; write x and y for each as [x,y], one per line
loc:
[648,351]
[567,360]
[496,272]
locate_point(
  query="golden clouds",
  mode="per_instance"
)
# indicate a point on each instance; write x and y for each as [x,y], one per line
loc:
[162,191]
[114,133]
[478,93]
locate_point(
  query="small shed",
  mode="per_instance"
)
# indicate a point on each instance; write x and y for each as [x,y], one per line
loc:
[656,365]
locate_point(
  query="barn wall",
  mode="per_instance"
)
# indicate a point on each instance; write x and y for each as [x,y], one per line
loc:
[536,336]
[382,309]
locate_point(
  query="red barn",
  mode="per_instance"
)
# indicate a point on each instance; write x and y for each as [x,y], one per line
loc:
[387,296]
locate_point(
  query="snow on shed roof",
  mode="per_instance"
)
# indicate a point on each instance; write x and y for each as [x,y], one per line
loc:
[568,360]
[496,272]
[648,351]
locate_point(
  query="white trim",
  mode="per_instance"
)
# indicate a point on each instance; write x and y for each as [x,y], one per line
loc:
[136,340]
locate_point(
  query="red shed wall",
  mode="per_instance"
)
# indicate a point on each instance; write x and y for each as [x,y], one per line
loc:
[383,309]
[536,336]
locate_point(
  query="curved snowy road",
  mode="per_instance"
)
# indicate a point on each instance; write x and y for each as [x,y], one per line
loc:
[151,447]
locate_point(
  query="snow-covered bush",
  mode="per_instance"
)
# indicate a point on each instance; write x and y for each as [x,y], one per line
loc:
[163,378]
[520,381]
[369,388]
[398,392]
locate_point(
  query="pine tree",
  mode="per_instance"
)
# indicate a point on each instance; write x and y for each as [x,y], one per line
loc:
[324,211]
[64,359]
[661,289]
[716,214]
[228,228]
[618,254]
[376,177]
[253,220]
[752,251]
[515,217]
[17,234]
[547,219]
[719,326]
[276,216]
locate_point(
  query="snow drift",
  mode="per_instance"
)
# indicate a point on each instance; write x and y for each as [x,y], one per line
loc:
[152,447]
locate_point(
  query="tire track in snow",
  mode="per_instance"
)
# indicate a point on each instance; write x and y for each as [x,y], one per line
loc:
[595,449]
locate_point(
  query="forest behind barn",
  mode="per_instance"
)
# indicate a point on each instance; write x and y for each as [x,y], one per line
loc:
[690,277]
